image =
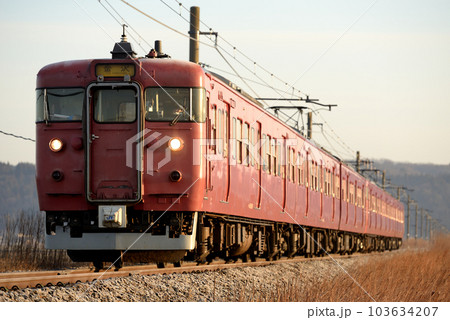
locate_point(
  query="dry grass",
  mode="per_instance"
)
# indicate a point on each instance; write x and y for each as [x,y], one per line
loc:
[418,272]
[22,244]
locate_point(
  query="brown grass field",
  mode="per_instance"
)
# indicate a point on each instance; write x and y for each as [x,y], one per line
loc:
[418,272]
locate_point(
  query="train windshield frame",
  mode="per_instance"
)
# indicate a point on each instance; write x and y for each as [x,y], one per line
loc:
[178,104]
[59,104]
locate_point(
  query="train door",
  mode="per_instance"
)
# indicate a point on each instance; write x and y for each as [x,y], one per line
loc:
[114,155]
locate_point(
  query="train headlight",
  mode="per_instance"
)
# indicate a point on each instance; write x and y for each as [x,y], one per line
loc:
[56,145]
[175,144]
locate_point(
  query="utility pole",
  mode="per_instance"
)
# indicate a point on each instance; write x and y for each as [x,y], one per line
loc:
[309,136]
[407,216]
[194,33]
[421,222]
[358,161]
[416,222]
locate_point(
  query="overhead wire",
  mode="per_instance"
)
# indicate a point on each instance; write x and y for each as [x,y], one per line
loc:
[17,136]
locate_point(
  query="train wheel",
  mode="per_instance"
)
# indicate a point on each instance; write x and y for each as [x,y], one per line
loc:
[246,257]
[160,265]
[118,264]
[98,265]
[177,264]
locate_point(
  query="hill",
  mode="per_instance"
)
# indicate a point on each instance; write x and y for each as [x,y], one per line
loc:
[430,182]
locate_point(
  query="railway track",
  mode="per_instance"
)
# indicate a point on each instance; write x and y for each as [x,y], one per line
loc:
[39,279]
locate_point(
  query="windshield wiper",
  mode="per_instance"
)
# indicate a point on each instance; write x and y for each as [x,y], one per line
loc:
[179,113]
[46,110]
[175,120]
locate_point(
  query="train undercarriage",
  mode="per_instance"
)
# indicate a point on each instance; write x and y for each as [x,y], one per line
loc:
[210,236]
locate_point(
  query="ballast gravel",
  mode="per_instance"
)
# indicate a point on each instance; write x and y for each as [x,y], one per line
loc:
[234,284]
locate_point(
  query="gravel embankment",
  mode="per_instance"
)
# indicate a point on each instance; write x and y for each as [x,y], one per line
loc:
[237,284]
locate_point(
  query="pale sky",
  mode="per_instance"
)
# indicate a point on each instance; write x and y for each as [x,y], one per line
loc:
[386,64]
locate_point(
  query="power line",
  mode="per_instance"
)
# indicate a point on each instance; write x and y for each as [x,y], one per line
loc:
[17,136]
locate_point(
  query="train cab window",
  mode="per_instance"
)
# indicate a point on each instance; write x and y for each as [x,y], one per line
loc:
[175,104]
[63,104]
[114,105]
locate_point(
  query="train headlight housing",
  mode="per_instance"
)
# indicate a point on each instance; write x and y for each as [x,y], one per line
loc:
[176,144]
[56,145]
[175,176]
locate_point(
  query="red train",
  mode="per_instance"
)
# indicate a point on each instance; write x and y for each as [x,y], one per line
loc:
[151,159]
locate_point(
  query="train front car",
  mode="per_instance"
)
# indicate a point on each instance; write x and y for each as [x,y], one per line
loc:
[114,157]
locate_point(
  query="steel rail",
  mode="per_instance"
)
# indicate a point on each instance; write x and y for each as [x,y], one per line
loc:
[38,279]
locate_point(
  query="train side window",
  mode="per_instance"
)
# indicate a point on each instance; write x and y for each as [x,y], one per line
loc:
[291,166]
[258,150]
[274,156]
[239,140]
[253,146]
[332,182]
[225,135]
[246,144]
[299,169]
[352,193]
[338,187]
[219,139]
[233,139]
[313,176]
[304,172]
[264,152]
[316,176]
[213,116]
[280,168]
[319,177]
[344,190]
[269,154]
